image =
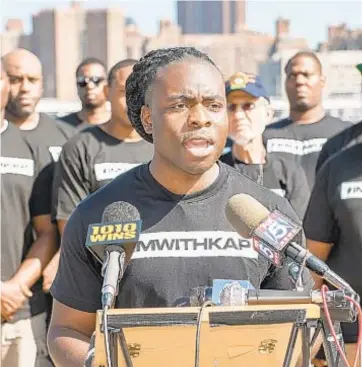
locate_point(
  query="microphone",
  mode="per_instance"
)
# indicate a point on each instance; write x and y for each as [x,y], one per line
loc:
[112,243]
[272,234]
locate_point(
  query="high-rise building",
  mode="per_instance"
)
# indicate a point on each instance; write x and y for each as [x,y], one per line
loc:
[104,36]
[62,38]
[56,41]
[205,17]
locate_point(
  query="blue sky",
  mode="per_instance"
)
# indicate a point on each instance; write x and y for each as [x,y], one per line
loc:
[309,18]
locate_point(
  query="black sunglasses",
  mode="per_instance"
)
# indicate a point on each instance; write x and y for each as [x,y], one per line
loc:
[83,81]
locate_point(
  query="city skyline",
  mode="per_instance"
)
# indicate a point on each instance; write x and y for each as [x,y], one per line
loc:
[260,15]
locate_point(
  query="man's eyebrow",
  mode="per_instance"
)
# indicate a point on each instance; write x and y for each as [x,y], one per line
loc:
[213,96]
[181,96]
[188,96]
[20,75]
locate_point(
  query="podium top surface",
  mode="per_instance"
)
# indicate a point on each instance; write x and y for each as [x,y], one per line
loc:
[312,311]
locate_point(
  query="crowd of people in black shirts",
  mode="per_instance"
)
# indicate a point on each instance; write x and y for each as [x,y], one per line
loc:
[178,142]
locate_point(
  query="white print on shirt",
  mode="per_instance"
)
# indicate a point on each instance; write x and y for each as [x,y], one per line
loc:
[351,190]
[295,147]
[279,192]
[16,166]
[55,152]
[193,244]
[108,171]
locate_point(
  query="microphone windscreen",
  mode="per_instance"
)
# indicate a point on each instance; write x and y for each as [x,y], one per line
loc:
[245,214]
[120,211]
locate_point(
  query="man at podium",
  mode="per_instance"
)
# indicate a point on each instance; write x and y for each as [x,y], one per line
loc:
[176,99]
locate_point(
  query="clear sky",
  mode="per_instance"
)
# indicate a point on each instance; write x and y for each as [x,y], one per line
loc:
[308,18]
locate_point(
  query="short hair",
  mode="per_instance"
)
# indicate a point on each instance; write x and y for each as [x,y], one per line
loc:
[119,65]
[90,61]
[312,55]
[144,73]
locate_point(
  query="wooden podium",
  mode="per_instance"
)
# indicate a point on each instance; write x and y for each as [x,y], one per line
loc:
[241,336]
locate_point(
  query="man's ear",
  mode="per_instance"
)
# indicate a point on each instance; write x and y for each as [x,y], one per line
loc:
[106,91]
[146,119]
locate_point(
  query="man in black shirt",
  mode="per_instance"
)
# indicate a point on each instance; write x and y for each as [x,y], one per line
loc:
[98,153]
[333,223]
[249,111]
[43,134]
[342,140]
[175,99]
[302,135]
[23,329]
[91,80]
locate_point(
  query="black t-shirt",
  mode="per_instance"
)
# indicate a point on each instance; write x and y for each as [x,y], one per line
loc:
[337,143]
[184,243]
[47,139]
[334,214]
[72,119]
[19,203]
[90,160]
[49,136]
[302,142]
[280,175]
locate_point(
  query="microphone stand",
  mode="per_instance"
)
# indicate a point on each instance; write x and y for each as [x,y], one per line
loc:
[329,345]
[110,270]
[342,309]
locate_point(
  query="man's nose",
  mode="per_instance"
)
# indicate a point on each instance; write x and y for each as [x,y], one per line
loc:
[239,114]
[90,85]
[198,116]
[300,79]
[25,85]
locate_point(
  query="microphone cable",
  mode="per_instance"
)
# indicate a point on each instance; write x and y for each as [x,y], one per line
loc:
[106,337]
[324,289]
[198,331]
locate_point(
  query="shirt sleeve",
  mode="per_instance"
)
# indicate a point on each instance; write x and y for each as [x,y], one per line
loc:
[319,221]
[67,130]
[41,196]
[327,151]
[297,189]
[71,184]
[78,281]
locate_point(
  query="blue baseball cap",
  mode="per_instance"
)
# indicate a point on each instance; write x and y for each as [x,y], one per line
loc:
[248,83]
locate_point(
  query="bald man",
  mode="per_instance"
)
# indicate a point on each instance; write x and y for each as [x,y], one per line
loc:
[23,258]
[44,135]
[302,135]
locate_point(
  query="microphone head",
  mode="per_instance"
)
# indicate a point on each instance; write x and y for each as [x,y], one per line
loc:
[120,228]
[120,210]
[245,214]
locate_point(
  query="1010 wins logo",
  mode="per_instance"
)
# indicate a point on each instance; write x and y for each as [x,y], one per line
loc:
[103,233]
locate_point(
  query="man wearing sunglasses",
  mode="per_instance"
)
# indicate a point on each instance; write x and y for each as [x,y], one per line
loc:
[249,111]
[91,81]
